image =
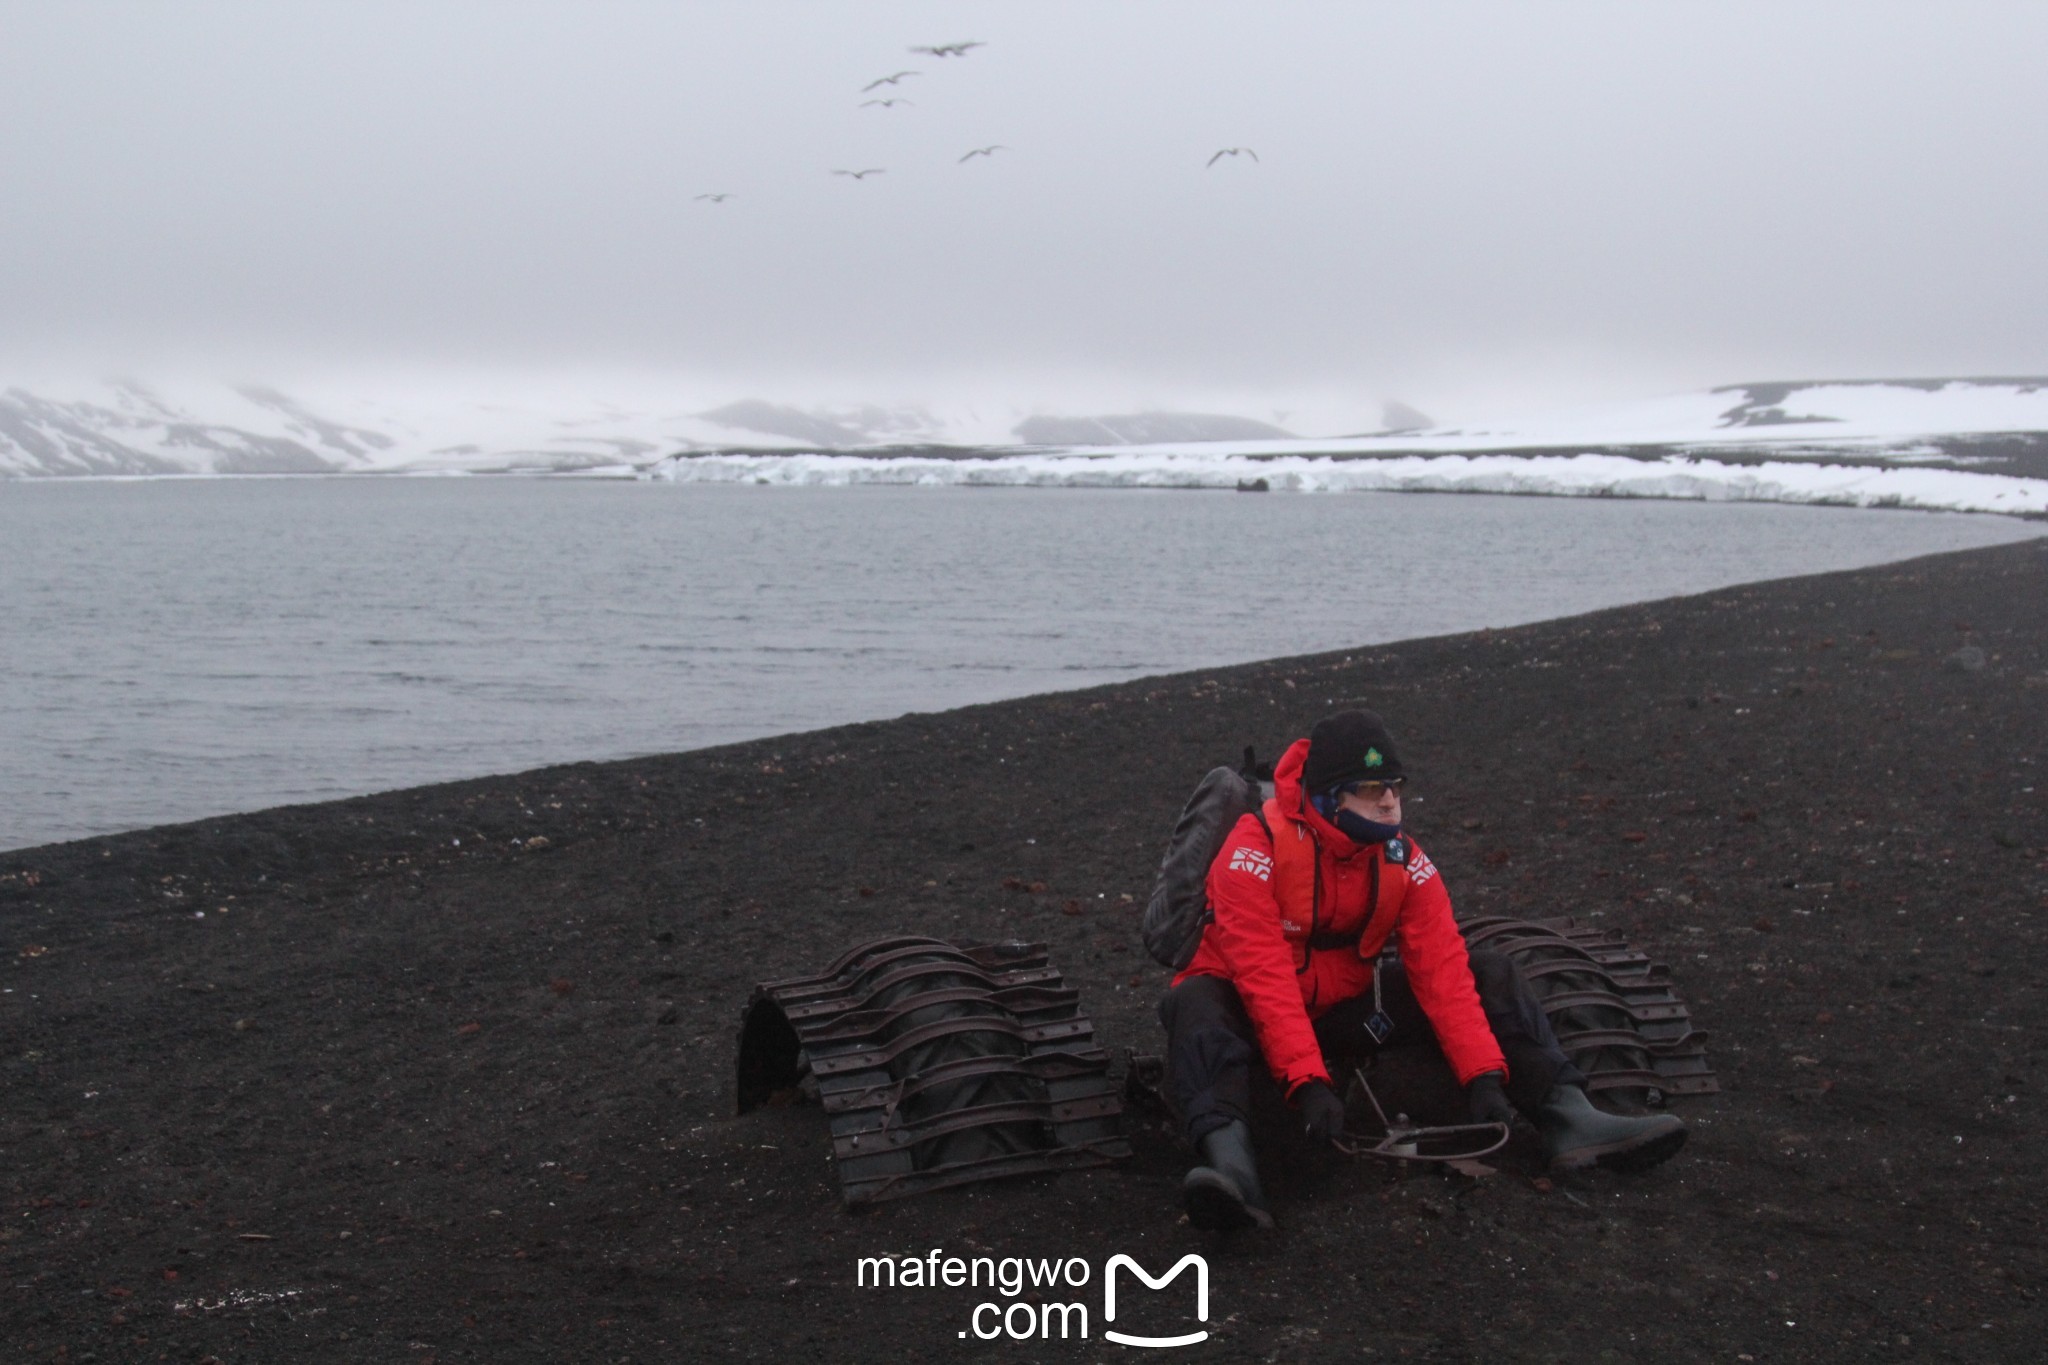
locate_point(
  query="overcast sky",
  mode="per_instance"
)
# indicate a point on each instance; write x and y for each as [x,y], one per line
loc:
[1480,209]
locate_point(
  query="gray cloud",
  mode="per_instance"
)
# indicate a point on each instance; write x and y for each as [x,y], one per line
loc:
[1471,207]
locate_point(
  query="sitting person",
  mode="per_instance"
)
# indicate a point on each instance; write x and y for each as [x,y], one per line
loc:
[1304,895]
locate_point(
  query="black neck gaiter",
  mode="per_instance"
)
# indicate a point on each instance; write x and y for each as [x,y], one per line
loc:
[1360,830]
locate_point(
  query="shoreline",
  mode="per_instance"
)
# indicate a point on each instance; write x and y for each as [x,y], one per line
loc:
[460,1055]
[1801,477]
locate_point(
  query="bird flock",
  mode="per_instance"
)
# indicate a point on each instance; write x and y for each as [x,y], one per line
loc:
[892,101]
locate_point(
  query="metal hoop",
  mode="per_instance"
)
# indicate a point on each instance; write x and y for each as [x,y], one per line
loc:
[1401,1141]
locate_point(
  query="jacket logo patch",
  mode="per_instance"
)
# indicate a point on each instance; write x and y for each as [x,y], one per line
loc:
[1420,868]
[1250,860]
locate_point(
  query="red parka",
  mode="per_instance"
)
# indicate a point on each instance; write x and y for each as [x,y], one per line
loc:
[1273,895]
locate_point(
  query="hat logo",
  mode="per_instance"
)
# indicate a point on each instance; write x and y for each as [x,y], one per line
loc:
[1372,758]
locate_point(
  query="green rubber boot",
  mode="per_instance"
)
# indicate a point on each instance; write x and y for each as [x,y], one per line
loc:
[1575,1134]
[1223,1194]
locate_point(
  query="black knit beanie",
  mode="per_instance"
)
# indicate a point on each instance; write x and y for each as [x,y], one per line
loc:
[1351,746]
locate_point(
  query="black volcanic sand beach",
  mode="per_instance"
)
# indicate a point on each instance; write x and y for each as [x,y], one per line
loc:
[447,1074]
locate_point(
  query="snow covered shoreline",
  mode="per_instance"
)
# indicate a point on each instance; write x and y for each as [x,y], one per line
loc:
[1590,474]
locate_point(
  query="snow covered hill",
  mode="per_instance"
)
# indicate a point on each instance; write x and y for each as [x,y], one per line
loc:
[1980,444]
[131,428]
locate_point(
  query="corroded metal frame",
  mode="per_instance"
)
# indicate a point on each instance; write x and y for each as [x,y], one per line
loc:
[850,1032]
[1631,993]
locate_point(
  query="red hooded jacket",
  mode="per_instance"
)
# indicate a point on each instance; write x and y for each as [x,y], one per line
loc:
[1272,895]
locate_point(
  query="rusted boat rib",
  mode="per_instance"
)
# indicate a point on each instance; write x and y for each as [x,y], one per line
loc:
[937,1064]
[1612,1007]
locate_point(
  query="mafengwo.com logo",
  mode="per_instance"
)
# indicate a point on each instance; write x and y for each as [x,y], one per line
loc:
[1030,1286]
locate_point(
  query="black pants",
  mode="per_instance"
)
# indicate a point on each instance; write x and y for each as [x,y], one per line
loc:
[1213,1060]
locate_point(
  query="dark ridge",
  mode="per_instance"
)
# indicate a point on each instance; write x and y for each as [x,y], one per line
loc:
[774,419]
[858,426]
[1763,405]
[352,441]
[1146,428]
[1778,390]
[1397,416]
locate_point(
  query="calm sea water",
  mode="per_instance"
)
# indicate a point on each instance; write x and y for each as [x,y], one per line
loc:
[171,650]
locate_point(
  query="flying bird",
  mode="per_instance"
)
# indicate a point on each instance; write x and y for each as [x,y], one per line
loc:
[948,49]
[886,104]
[1231,151]
[715,198]
[989,151]
[886,80]
[857,175]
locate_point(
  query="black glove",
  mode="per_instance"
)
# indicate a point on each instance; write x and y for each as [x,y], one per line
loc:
[1489,1103]
[1322,1113]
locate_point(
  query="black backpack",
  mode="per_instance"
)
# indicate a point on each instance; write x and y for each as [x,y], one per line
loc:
[1179,908]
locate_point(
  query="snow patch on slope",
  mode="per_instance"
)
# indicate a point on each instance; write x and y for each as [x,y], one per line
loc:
[1836,412]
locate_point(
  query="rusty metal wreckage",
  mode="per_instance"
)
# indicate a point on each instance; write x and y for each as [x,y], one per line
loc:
[940,1064]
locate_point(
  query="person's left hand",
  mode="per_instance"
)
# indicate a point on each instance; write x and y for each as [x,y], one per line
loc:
[1488,1100]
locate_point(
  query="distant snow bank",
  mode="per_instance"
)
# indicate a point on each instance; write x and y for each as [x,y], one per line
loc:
[1584,475]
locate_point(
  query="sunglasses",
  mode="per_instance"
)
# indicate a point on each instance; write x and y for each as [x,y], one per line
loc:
[1372,791]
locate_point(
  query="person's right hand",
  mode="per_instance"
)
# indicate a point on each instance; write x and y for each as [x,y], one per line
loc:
[1322,1113]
